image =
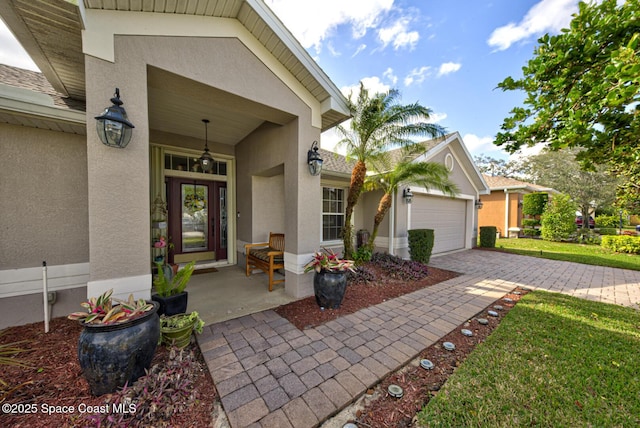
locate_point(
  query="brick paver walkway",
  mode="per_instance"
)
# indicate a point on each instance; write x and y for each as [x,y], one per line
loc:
[270,374]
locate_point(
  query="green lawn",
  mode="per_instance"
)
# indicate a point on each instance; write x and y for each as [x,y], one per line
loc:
[554,361]
[579,253]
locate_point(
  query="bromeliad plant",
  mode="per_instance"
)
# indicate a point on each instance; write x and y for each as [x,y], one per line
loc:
[327,260]
[101,310]
[166,287]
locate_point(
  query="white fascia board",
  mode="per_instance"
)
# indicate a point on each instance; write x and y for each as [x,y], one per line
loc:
[102,25]
[455,137]
[27,102]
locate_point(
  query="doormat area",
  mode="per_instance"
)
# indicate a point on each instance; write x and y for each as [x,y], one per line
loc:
[207,270]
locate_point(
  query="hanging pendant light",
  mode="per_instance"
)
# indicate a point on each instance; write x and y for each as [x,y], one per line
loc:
[206,160]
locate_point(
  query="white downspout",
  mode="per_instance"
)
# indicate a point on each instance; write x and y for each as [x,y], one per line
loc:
[506,212]
[45,296]
[392,217]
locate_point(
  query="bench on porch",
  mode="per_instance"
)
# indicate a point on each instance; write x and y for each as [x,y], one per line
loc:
[267,256]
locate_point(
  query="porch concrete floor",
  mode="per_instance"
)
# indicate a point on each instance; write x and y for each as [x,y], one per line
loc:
[229,293]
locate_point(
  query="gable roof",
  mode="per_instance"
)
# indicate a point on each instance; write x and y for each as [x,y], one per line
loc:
[496,182]
[51,33]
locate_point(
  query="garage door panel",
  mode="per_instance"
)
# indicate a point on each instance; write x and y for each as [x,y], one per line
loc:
[446,216]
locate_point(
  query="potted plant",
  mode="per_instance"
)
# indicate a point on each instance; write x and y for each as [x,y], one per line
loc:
[118,341]
[330,278]
[170,290]
[176,329]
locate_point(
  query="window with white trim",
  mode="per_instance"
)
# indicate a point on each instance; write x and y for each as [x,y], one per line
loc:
[332,213]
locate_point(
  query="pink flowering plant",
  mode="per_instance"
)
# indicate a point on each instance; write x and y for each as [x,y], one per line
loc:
[327,260]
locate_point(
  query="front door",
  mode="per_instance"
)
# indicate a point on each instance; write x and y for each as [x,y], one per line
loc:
[197,219]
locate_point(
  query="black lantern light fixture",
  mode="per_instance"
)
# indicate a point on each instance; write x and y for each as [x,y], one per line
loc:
[206,160]
[314,160]
[113,126]
[407,195]
[478,204]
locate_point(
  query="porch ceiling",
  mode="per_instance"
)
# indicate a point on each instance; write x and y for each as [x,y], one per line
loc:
[50,31]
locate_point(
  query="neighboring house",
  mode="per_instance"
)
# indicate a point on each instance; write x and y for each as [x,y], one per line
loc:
[502,208]
[86,209]
[454,219]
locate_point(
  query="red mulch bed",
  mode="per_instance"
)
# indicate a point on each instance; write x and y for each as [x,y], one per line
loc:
[54,376]
[306,313]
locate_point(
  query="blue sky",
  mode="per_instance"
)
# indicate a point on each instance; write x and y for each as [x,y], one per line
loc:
[448,55]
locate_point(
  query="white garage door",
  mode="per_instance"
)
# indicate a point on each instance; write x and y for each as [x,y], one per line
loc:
[446,216]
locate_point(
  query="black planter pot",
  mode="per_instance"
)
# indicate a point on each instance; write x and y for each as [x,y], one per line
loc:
[329,288]
[172,305]
[112,355]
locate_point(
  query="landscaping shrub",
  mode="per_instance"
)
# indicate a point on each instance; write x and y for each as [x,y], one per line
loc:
[362,255]
[488,236]
[558,219]
[531,232]
[622,244]
[530,222]
[533,203]
[421,244]
[396,267]
[607,221]
[608,231]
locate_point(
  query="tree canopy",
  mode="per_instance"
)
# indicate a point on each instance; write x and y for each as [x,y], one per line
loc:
[583,90]
[379,122]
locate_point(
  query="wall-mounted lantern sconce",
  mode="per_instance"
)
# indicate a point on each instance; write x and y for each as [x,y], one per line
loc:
[407,195]
[206,160]
[314,160]
[478,204]
[113,126]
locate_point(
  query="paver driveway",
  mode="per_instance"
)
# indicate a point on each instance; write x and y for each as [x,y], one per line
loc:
[270,374]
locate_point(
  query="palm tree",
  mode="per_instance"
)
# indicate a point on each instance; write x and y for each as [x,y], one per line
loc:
[378,123]
[392,174]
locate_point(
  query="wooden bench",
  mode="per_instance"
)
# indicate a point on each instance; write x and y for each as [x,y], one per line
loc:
[267,256]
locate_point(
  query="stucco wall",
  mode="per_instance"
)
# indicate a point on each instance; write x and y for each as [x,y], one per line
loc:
[492,211]
[43,198]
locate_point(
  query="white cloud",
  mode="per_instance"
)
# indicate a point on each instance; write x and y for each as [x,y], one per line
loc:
[398,35]
[311,22]
[546,16]
[483,146]
[448,67]
[361,48]
[388,74]
[373,84]
[436,117]
[11,52]
[417,75]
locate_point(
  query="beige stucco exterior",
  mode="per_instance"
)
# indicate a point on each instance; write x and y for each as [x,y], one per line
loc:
[86,208]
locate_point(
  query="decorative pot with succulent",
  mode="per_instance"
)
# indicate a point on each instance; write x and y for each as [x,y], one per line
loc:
[176,329]
[118,341]
[330,278]
[170,290]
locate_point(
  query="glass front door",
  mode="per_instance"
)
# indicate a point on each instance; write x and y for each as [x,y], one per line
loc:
[197,219]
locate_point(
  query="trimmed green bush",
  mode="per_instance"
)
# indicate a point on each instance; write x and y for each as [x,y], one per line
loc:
[558,219]
[531,232]
[622,244]
[488,236]
[530,222]
[533,203]
[609,221]
[608,231]
[421,244]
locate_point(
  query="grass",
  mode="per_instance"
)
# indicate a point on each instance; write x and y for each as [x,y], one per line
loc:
[554,360]
[579,253]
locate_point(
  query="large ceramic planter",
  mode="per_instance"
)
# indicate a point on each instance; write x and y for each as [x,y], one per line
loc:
[172,305]
[112,355]
[329,288]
